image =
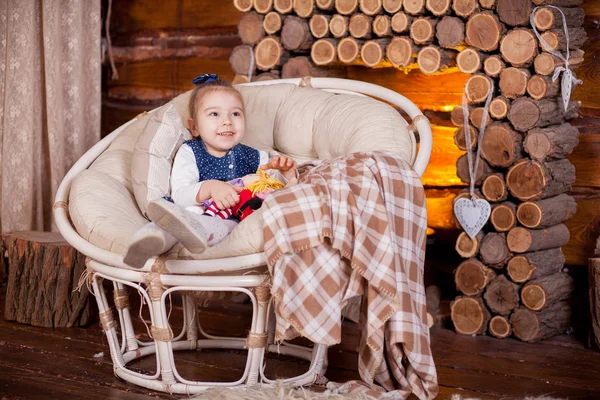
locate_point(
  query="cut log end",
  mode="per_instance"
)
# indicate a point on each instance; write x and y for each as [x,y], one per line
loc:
[519,47]
[414,7]
[373,52]
[494,188]
[543,18]
[295,34]
[346,7]
[514,12]
[534,265]
[513,82]
[326,5]
[500,327]
[400,51]
[529,214]
[519,269]
[243,5]
[268,53]
[450,32]
[319,26]
[467,247]
[323,51]
[521,240]
[471,277]
[438,7]
[304,8]
[392,6]
[477,88]
[483,31]
[499,107]
[493,250]
[348,50]
[468,61]
[533,297]
[401,22]
[422,30]
[460,140]
[382,26]
[503,218]
[501,295]
[547,212]
[469,315]
[477,117]
[540,86]
[338,26]
[370,7]
[532,180]
[501,146]
[431,59]
[283,6]
[360,26]
[524,114]
[464,8]
[251,29]
[263,6]
[272,23]
[493,66]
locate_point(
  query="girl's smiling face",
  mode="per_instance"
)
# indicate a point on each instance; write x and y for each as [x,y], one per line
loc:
[220,121]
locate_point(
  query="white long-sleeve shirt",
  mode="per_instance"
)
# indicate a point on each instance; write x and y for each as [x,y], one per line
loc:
[185,176]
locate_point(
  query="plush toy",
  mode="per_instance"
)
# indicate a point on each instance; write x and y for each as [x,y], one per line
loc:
[256,187]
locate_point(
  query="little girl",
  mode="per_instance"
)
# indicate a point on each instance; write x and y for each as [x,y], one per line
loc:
[202,169]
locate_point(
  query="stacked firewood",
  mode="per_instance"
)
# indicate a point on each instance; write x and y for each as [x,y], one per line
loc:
[277,37]
[294,38]
[512,277]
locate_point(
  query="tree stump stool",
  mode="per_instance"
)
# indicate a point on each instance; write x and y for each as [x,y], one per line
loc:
[43,273]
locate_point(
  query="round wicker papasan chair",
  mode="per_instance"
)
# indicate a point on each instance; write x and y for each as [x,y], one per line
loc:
[102,200]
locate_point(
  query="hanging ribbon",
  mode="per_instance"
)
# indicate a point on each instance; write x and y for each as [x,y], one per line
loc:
[473,166]
[472,214]
[568,79]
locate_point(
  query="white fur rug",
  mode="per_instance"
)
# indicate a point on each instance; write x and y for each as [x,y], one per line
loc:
[281,392]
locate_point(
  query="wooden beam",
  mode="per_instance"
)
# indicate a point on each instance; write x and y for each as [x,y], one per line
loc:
[154,79]
[136,16]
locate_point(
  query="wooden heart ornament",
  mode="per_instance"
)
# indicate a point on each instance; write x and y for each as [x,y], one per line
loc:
[472,214]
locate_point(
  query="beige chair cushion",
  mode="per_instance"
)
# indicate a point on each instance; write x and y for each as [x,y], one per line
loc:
[153,155]
[303,123]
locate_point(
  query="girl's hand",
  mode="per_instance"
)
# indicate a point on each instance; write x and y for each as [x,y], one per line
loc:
[224,194]
[286,165]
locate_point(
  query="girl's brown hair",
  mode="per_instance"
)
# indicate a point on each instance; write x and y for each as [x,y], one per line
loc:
[205,88]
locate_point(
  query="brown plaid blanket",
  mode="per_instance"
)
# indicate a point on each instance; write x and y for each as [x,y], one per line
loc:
[355,226]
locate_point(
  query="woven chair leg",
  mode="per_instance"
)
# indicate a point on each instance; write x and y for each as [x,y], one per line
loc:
[257,338]
[190,319]
[122,303]
[108,323]
[159,328]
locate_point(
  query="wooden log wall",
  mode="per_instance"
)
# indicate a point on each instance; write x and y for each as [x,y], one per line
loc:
[159,48]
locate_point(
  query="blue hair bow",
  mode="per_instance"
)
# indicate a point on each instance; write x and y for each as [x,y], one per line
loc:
[205,78]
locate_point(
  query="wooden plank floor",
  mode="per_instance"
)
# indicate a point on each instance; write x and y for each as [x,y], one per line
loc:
[60,364]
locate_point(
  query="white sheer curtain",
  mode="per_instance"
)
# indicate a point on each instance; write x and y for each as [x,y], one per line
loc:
[50,97]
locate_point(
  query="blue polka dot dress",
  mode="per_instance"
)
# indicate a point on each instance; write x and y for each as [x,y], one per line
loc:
[239,161]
